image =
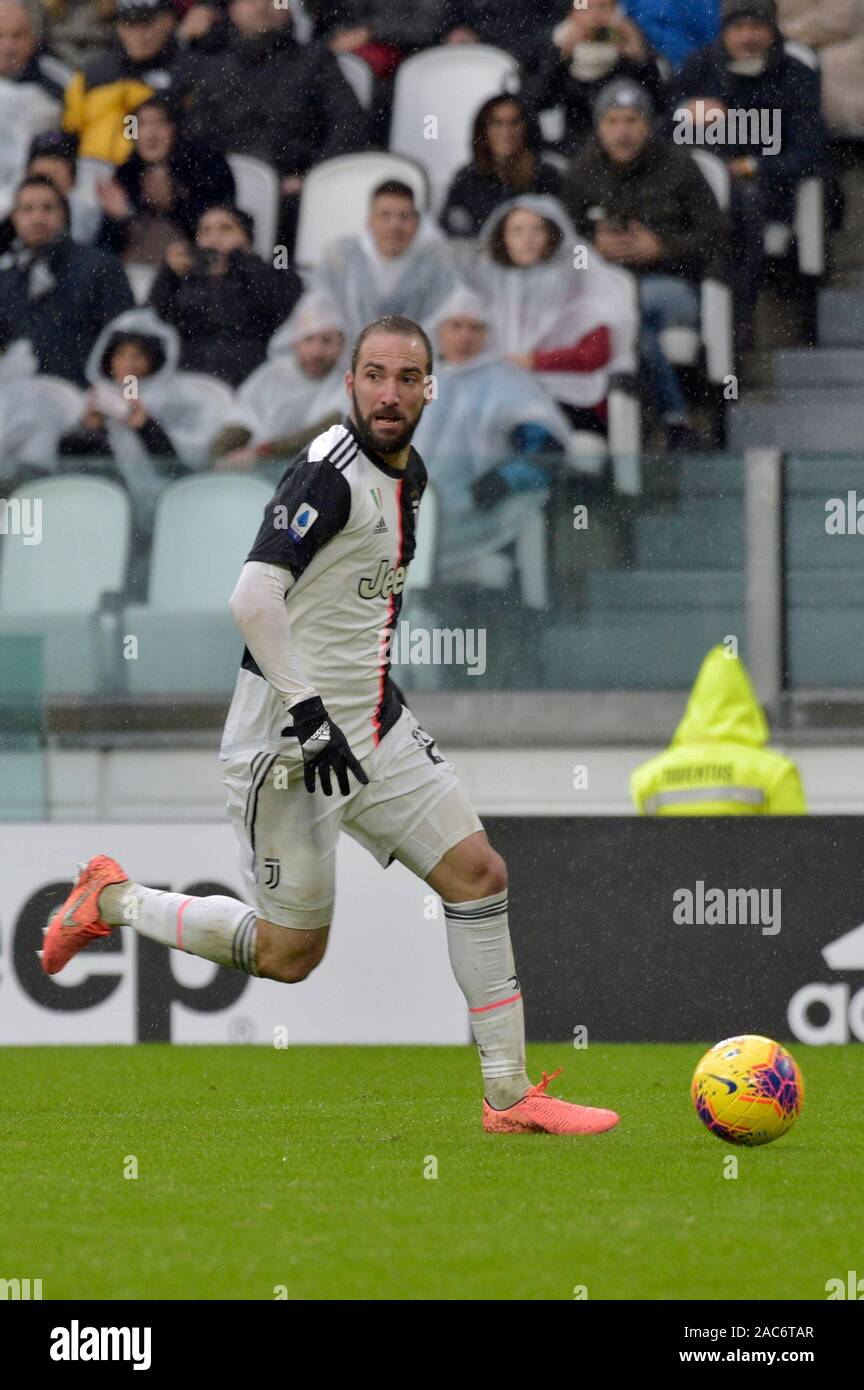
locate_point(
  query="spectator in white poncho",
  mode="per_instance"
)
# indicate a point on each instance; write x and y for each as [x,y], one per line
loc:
[142,423]
[31,421]
[295,395]
[559,310]
[488,438]
[399,264]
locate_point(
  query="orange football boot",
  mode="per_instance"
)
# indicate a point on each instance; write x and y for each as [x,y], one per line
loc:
[537,1113]
[77,922]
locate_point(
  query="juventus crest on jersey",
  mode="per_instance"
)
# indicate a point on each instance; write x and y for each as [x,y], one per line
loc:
[342,525]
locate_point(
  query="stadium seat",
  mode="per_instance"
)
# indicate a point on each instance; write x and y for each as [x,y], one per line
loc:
[681,345]
[624,425]
[841,318]
[257,192]
[216,396]
[19,122]
[140,279]
[335,198]
[809,222]
[202,533]
[91,172]
[821,421]
[54,589]
[468,74]
[359,75]
[806,369]
[60,399]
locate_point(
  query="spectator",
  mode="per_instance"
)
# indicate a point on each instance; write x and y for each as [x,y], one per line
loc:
[295,395]
[381,32]
[505,143]
[52,156]
[748,70]
[487,438]
[717,764]
[32,81]
[835,29]
[160,192]
[224,301]
[590,48]
[29,428]
[564,322]
[267,95]
[57,293]
[509,24]
[79,27]
[645,206]
[143,57]
[400,264]
[675,27]
[150,427]
[24,56]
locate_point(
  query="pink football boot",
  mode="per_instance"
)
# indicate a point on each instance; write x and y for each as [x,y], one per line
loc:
[537,1113]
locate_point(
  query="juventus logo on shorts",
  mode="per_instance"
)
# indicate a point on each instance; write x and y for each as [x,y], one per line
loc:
[428,743]
[272,870]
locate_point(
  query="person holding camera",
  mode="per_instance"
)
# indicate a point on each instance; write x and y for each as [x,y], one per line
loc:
[223,299]
[594,45]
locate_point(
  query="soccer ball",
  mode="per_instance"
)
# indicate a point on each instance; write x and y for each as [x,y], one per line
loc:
[748,1090]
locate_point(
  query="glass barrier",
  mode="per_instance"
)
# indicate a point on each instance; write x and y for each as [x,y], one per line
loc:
[569,584]
[22,758]
[824,576]
[595,591]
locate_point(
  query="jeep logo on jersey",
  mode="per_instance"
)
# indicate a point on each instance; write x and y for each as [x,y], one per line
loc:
[303,519]
[386,582]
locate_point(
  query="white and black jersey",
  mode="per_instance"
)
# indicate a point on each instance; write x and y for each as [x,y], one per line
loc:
[342,525]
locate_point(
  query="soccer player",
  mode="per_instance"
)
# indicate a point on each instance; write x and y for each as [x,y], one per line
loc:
[314,705]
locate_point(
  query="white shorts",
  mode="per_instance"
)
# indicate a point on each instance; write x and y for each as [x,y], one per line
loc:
[413,809]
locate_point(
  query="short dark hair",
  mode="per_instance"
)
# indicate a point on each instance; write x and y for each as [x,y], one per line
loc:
[54,144]
[244,220]
[394,188]
[41,181]
[393,323]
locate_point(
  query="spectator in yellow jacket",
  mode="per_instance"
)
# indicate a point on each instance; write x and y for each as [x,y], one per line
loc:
[144,57]
[717,763]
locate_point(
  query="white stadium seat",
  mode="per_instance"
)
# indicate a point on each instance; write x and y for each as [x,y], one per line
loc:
[53,589]
[83,551]
[140,277]
[359,75]
[202,532]
[257,192]
[91,172]
[335,199]
[216,395]
[448,85]
[62,400]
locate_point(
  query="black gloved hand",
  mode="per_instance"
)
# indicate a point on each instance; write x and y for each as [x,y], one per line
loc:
[324,748]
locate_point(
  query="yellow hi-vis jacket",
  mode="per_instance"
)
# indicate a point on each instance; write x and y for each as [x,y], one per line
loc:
[716,764]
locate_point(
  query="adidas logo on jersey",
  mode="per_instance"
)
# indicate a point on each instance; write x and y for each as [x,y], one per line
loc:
[380,528]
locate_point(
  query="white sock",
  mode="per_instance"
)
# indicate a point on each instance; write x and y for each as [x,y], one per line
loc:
[478,940]
[219,929]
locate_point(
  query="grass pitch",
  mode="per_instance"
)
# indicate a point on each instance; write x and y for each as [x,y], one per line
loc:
[304,1168]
